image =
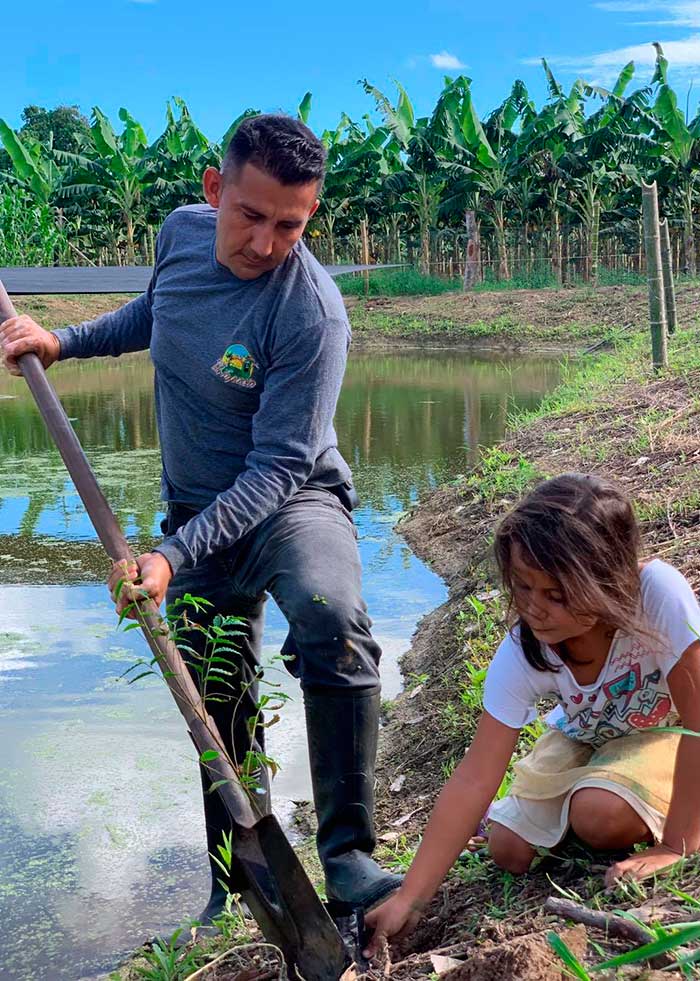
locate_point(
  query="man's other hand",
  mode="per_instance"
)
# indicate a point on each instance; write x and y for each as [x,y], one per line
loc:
[22,335]
[149,576]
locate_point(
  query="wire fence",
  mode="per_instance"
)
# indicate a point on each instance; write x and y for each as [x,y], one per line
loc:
[566,255]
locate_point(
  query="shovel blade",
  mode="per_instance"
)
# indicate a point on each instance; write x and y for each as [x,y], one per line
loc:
[285,904]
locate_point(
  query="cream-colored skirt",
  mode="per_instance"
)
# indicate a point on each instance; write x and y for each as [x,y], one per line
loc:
[639,768]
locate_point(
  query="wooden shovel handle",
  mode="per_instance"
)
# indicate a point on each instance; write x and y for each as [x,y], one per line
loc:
[184,690]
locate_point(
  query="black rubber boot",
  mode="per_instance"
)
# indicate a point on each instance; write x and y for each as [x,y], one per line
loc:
[342,728]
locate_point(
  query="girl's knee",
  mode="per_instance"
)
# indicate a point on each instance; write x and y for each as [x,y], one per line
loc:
[604,820]
[509,851]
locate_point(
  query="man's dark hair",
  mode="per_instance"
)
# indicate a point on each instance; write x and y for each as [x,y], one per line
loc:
[280,145]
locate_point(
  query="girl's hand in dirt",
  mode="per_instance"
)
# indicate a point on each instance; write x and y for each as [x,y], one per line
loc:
[149,576]
[22,335]
[642,865]
[394,918]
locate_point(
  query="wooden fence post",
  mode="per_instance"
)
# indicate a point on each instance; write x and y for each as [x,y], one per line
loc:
[472,265]
[555,248]
[657,299]
[594,245]
[667,269]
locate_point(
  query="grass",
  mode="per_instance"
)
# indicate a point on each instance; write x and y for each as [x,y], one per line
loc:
[408,281]
[669,940]
[503,328]
[500,474]
[587,385]
[396,282]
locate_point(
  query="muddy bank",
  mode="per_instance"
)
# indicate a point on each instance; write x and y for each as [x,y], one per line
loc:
[616,419]
[564,320]
[570,319]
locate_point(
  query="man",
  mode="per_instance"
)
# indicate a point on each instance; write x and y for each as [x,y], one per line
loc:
[249,336]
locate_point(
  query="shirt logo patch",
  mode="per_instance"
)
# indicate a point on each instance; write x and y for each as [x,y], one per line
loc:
[236,366]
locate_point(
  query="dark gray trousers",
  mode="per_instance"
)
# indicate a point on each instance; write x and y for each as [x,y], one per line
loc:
[305,555]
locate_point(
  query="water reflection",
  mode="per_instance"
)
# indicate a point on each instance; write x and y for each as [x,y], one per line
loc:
[101,837]
[404,422]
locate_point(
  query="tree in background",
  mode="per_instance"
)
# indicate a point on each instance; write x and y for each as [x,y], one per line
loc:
[549,190]
[67,124]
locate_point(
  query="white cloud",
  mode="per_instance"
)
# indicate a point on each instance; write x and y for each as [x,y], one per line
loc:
[683,53]
[677,13]
[446,60]
[683,57]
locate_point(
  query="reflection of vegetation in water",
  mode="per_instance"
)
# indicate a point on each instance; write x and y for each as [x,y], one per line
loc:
[406,422]
[409,422]
[111,406]
[130,480]
[110,402]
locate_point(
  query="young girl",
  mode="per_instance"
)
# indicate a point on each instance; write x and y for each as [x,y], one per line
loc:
[615,642]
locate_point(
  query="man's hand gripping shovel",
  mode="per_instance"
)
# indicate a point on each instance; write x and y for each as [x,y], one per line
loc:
[279,893]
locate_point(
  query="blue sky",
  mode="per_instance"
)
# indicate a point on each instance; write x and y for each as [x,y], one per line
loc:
[228,56]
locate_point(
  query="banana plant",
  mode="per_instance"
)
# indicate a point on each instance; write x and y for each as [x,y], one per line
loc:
[680,153]
[419,181]
[110,171]
[34,165]
[335,197]
[175,162]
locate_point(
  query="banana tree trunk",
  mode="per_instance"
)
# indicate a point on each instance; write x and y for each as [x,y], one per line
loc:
[364,245]
[424,248]
[472,265]
[329,222]
[503,266]
[594,244]
[525,251]
[689,234]
[556,247]
[130,251]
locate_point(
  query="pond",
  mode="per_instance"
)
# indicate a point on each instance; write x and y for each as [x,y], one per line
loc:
[101,831]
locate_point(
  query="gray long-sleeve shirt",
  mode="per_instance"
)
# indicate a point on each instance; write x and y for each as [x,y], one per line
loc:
[247,377]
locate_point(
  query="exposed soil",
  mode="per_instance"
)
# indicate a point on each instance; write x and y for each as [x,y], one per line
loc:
[60,310]
[539,319]
[528,956]
[249,962]
[611,305]
[645,434]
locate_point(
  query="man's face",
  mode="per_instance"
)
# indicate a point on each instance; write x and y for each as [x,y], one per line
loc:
[259,220]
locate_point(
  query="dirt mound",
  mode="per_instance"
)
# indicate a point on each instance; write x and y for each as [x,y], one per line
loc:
[568,318]
[528,958]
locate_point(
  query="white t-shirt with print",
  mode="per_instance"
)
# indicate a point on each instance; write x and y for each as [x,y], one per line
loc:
[631,691]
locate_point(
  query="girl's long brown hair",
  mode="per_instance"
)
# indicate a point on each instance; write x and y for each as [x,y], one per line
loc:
[580,530]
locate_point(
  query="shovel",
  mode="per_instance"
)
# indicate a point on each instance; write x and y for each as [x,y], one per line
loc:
[279,893]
